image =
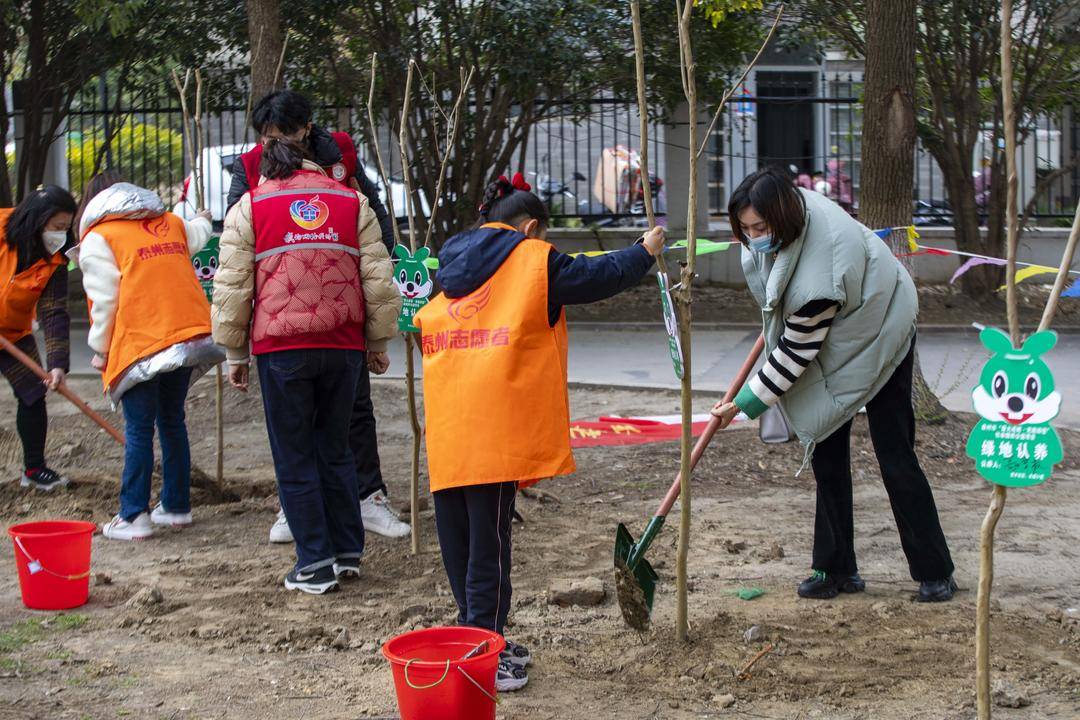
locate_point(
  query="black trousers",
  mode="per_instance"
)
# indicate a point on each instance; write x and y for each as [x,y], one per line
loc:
[473,524]
[892,430]
[32,422]
[363,440]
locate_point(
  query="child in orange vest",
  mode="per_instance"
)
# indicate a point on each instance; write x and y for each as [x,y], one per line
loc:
[33,281]
[495,387]
[150,330]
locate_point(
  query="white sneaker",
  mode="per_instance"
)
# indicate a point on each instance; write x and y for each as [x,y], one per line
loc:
[120,529]
[279,531]
[160,516]
[510,677]
[379,518]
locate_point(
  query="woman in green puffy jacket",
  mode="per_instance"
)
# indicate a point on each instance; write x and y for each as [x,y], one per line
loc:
[839,312]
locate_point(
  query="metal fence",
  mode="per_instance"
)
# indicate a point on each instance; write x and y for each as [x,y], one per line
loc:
[811,122]
[582,162]
[573,158]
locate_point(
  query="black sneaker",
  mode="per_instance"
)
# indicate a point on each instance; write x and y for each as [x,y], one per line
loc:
[314,582]
[347,568]
[937,590]
[853,584]
[516,654]
[510,677]
[821,586]
[43,479]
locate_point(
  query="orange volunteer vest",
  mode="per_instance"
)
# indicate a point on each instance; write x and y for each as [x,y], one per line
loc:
[20,292]
[496,401]
[161,302]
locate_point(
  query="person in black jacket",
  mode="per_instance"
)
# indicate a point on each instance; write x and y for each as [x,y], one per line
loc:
[287,114]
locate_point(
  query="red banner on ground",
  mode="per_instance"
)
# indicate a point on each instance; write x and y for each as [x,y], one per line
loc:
[629,431]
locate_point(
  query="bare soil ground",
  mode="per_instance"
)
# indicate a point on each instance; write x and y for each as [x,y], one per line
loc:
[223,639]
[938,305]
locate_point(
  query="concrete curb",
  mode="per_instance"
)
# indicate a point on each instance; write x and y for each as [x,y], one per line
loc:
[754,327]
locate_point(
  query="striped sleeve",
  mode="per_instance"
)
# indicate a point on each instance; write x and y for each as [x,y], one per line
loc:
[804,334]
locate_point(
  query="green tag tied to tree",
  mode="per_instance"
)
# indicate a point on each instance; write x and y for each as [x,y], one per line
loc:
[413,281]
[671,324]
[1013,444]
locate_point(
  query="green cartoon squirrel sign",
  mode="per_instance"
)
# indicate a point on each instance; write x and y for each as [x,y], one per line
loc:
[413,281]
[1013,444]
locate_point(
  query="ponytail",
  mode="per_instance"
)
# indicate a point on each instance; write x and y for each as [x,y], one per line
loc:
[281,158]
[510,202]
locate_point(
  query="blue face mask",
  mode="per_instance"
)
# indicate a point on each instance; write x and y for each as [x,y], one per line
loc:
[764,244]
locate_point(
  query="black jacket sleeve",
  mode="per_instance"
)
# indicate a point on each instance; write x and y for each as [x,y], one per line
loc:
[239,184]
[371,192]
[583,279]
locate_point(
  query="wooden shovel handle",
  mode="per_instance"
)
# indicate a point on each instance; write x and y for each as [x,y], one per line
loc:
[714,424]
[63,389]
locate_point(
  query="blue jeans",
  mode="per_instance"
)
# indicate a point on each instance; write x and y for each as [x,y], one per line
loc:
[159,400]
[308,397]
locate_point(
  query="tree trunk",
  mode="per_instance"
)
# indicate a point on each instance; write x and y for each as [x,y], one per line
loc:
[266,38]
[888,163]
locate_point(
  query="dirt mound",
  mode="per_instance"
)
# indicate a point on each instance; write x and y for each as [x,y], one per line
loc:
[196,622]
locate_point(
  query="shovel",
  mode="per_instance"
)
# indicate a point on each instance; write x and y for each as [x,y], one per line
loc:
[635,579]
[26,360]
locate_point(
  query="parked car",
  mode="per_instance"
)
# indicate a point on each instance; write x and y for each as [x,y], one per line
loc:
[218,162]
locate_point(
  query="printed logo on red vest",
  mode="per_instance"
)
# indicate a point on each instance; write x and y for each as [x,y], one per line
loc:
[309,214]
[475,339]
[158,227]
[468,306]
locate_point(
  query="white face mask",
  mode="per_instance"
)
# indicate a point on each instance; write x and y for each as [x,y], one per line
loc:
[53,240]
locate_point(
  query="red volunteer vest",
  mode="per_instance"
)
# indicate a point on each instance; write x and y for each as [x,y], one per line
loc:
[307,265]
[342,171]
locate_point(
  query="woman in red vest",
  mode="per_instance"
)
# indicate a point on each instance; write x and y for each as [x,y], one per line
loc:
[304,281]
[150,332]
[495,394]
[287,115]
[33,279]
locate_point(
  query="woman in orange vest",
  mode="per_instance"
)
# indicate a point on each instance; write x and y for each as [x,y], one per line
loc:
[150,332]
[495,393]
[33,273]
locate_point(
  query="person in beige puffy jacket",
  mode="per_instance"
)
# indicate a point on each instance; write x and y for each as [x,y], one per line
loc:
[304,281]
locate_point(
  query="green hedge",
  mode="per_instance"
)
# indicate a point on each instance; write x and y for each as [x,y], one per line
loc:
[146,154]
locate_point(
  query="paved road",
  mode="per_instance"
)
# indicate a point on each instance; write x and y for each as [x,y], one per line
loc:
[608,354]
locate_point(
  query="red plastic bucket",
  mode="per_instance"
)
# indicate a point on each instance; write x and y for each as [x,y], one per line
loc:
[434,682]
[53,557]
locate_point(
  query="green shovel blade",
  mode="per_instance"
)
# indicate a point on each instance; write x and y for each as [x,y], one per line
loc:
[635,583]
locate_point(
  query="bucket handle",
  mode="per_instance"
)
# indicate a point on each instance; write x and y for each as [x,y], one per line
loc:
[446,671]
[492,698]
[424,687]
[35,565]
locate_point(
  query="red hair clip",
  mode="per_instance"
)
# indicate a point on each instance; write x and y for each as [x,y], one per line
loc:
[517,182]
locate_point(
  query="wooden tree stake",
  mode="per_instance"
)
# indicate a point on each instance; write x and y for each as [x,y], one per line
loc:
[683,300]
[193,138]
[643,124]
[997,502]
[410,360]
[682,295]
